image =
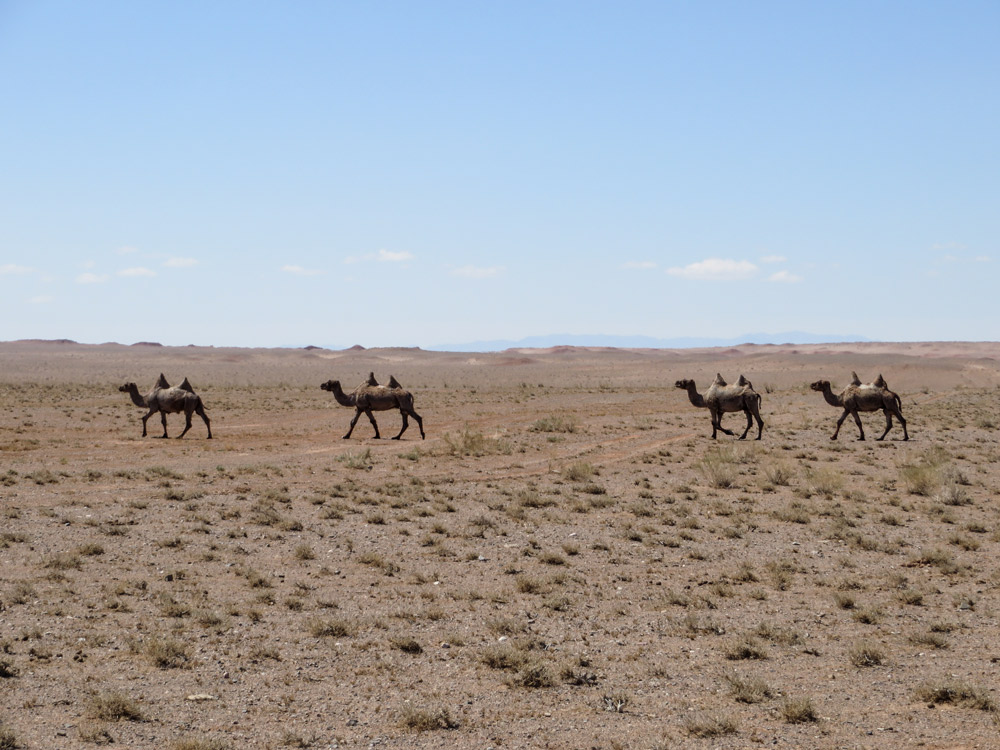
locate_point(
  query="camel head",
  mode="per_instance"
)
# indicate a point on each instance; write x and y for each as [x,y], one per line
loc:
[684,384]
[127,387]
[820,385]
[330,385]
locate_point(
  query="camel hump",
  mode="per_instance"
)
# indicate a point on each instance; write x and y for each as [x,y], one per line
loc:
[855,380]
[719,380]
[393,383]
[186,386]
[162,382]
[880,382]
[744,382]
[371,379]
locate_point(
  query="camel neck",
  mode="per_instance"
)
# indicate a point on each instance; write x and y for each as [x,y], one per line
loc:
[696,398]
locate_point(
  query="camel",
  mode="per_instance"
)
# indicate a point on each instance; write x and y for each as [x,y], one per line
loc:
[721,398]
[368,397]
[858,397]
[167,400]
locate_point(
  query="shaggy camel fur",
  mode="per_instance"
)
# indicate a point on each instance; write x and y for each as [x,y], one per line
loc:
[367,398]
[856,398]
[167,400]
[721,398]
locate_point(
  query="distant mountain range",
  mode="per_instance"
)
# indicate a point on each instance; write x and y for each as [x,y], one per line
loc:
[645,342]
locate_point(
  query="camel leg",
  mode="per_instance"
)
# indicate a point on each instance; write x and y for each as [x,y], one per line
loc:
[204,416]
[755,410]
[749,422]
[420,422]
[717,424]
[888,425]
[353,422]
[187,424]
[144,422]
[163,418]
[371,418]
[861,430]
[899,416]
[405,425]
[839,422]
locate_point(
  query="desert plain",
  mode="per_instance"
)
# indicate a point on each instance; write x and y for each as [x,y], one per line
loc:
[567,561]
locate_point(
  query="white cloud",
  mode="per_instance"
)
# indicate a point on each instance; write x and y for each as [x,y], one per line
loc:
[773,259]
[91,278]
[386,256]
[138,271]
[784,277]
[41,299]
[639,265]
[13,268]
[715,269]
[982,259]
[127,250]
[948,246]
[180,262]
[382,256]
[477,272]
[300,271]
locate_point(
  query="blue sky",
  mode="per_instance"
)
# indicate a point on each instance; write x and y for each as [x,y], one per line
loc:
[424,173]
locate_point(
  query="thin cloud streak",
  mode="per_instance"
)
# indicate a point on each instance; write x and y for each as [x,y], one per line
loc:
[91,278]
[784,277]
[477,272]
[382,256]
[13,268]
[715,269]
[300,271]
[136,272]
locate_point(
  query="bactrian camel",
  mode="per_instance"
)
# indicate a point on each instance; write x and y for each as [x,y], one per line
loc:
[721,398]
[167,400]
[858,397]
[370,397]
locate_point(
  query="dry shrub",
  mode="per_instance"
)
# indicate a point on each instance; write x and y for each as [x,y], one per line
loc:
[474,443]
[719,468]
[957,694]
[114,706]
[798,711]
[748,689]
[427,720]
[705,726]
[555,424]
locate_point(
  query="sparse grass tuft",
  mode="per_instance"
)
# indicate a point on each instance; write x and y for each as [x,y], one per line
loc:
[798,711]
[867,654]
[474,443]
[956,694]
[567,424]
[705,726]
[114,706]
[748,689]
[427,720]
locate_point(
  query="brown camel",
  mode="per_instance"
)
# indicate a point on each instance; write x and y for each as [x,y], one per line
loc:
[367,398]
[721,398]
[167,400]
[855,398]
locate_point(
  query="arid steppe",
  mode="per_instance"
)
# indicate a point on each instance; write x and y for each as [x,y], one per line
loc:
[567,561]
